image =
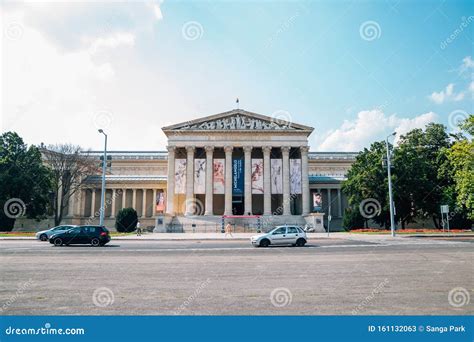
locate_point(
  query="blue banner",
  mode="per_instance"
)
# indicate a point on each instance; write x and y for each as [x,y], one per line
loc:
[238,176]
[236,328]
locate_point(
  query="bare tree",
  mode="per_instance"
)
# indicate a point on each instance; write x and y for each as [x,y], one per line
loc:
[70,166]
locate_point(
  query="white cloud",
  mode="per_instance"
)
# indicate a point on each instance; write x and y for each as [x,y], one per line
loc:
[369,126]
[109,42]
[156,8]
[52,92]
[467,63]
[446,94]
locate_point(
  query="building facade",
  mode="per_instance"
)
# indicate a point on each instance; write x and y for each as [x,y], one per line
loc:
[235,164]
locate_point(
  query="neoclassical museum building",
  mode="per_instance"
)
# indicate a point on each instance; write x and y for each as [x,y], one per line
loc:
[237,164]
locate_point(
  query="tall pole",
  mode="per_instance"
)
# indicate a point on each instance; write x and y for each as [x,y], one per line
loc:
[102,193]
[392,218]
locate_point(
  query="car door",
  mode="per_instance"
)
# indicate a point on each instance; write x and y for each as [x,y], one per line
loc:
[90,232]
[278,236]
[73,236]
[292,235]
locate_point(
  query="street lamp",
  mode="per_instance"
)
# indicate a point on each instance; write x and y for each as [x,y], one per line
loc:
[392,218]
[102,193]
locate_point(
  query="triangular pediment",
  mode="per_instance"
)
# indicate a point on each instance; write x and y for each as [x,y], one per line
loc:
[239,120]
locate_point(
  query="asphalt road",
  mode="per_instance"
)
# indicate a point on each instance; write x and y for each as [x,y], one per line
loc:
[329,276]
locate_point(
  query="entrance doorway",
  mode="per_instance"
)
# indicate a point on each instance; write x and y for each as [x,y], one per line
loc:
[238,205]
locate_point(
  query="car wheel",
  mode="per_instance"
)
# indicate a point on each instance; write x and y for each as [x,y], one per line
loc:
[58,242]
[300,242]
[264,243]
[43,237]
[95,242]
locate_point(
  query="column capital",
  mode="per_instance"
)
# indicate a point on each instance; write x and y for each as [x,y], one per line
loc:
[266,149]
[228,149]
[209,149]
[248,149]
[285,149]
[190,149]
[171,148]
[304,149]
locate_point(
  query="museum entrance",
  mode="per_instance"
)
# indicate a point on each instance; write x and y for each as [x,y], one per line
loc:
[238,205]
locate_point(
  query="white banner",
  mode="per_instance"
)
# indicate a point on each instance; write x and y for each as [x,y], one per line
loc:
[277,176]
[180,176]
[295,176]
[219,176]
[257,176]
[199,176]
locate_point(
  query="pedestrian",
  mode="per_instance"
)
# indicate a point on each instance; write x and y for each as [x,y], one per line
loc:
[139,230]
[228,230]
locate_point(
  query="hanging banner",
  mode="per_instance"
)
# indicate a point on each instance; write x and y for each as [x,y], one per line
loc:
[277,176]
[160,201]
[317,201]
[180,176]
[257,176]
[238,177]
[219,173]
[295,176]
[199,176]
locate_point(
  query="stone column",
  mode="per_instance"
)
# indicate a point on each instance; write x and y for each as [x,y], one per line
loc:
[82,203]
[189,180]
[153,202]
[339,204]
[124,198]
[134,199]
[267,194]
[228,180]
[93,203]
[112,212]
[304,180]
[248,179]
[209,181]
[70,205]
[170,181]
[285,151]
[143,202]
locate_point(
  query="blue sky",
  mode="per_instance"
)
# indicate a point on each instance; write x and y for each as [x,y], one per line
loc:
[353,70]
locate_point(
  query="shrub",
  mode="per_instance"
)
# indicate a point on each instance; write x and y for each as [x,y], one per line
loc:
[353,219]
[126,220]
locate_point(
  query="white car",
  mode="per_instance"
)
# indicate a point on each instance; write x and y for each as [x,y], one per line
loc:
[282,235]
[44,235]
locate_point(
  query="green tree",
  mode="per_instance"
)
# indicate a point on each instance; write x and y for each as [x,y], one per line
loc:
[419,185]
[126,221]
[461,158]
[367,180]
[24,180]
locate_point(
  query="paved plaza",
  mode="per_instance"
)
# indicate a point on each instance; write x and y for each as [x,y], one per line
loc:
[344,274]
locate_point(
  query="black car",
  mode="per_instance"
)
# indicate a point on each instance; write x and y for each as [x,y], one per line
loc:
[94,235]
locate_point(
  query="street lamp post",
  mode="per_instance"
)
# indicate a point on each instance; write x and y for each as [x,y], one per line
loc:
[390,195]
[102,193]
